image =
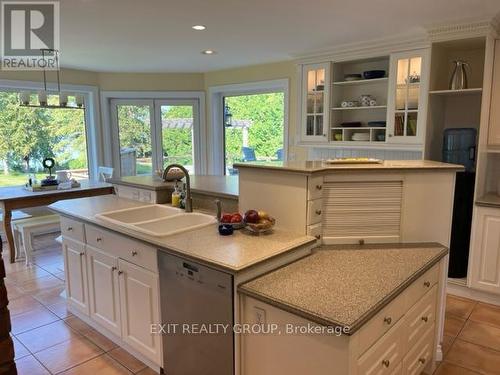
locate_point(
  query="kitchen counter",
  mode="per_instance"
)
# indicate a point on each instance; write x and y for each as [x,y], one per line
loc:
[231,253]
[344,285]
[321,166]
[224,186]
[489,200]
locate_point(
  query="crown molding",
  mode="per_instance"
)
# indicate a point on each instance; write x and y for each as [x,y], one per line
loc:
[463,30]
[385,46]
[365,49]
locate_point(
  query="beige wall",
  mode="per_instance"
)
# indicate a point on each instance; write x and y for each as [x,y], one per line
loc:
[256,73]
[70,76]
[151,81]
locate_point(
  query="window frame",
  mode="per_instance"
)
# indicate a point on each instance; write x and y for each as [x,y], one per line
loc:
[110,135]
[217,94]
[93,128]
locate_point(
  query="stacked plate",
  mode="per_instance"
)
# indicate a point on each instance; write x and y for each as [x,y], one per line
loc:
[361,137]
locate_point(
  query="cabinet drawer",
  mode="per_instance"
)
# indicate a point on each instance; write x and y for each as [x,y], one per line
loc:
[421,317]
[314,187]
[421,355]
[72,229]
[315,231]
[381,323]
[133,251]
[421,286]
[385,356]
[314,211]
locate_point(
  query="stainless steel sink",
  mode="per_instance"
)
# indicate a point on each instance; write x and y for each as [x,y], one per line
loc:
[157,220]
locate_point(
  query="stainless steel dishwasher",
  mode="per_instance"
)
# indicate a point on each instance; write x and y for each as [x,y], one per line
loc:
[195,298]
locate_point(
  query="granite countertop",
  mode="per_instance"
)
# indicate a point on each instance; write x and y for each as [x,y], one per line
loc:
[321,166]
[229,253]
[224,186]
[489,200]
[344,286]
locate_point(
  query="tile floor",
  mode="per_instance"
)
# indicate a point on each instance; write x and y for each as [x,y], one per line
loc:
[50,340]
[47,338]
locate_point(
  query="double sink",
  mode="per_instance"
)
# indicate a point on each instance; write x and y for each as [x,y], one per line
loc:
[157,220]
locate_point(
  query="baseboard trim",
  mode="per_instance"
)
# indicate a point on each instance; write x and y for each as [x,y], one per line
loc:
[466,292]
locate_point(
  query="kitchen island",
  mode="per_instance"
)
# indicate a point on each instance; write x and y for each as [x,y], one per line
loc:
[114,274]
[381,299]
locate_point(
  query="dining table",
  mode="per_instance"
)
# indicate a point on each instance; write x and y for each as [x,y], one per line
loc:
[19,197]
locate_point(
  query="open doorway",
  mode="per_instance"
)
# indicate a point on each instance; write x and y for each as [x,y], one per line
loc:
[253,129]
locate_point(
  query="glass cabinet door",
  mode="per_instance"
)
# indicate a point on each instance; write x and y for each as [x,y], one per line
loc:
[315,107]
[406,116]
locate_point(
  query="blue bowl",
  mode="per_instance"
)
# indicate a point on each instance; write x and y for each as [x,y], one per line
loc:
[373,74]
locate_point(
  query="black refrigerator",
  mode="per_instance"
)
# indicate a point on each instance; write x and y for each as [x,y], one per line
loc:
[459,147]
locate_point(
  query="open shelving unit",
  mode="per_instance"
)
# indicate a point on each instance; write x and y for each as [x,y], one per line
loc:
[351,91]
[454,108]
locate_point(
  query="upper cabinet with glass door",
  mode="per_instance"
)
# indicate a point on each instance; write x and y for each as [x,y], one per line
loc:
[315,102]
[407,103]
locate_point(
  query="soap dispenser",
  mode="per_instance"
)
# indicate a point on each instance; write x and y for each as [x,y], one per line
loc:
[176,196]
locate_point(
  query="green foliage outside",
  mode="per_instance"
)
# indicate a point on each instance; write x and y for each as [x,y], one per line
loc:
[265,136]
[28,135]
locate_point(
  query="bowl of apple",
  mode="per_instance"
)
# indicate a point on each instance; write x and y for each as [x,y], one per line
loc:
[259,221]
[234,219]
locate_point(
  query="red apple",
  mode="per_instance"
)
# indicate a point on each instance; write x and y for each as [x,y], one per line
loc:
[236,218]
[226,218]
[251,216]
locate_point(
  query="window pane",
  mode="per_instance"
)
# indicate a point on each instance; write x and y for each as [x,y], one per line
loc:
[255,134]
[28,135]
[177,135]
[134,126]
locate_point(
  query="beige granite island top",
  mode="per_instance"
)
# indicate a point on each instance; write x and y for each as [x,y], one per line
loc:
[229,253]
[224,186]
[314,166]
[344,287]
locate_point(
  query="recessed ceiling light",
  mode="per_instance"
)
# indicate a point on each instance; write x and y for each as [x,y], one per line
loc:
[198,27]
[209,52]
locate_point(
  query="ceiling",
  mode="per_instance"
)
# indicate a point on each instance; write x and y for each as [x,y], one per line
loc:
[156,35]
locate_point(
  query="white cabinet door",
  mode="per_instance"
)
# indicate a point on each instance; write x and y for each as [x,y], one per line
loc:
[139,296]
[316,102]
[485,252]
[494,125]
[407,97]
[104,296]
[76,274]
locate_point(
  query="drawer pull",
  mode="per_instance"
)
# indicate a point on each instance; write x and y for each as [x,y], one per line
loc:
[388,320]
[425,319]
[318,212]
[134,253]
[98,239]
[69,229]
[386,362]
[82,254]
[319,187]
[318,236]
[113,268]
[427,284]
[120,272]
[421,360]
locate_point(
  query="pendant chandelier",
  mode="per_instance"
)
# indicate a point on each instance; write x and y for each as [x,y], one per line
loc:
[51,55]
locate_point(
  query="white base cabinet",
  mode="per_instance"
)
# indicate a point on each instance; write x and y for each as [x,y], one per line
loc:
[103,289]
[139,304]
[484,267]
[113,280]
[75,271]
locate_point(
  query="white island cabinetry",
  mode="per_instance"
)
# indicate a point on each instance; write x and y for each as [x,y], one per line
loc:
[112,284]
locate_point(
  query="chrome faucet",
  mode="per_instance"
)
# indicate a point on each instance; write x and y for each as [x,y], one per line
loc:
[189,200]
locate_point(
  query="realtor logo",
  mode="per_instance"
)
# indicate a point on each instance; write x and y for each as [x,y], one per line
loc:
[27,28]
